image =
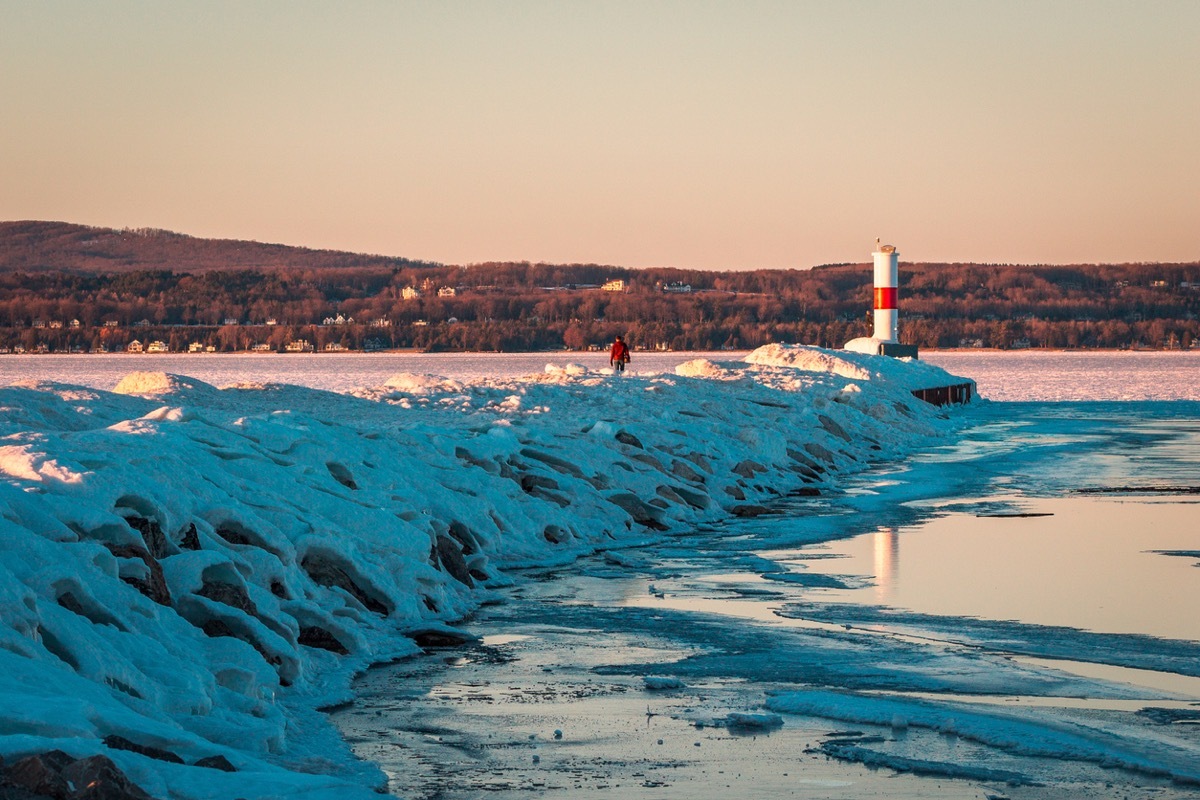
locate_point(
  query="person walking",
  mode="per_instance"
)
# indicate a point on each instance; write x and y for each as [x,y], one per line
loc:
[618,356]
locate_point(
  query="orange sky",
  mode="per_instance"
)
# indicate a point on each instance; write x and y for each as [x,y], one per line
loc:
[709,135]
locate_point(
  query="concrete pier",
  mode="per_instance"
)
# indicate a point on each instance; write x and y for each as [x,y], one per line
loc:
[957,393]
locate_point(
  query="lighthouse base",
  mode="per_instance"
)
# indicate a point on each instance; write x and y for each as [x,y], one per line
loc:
[881,347]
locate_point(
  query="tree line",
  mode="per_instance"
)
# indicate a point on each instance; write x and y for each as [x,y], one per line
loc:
[523,306]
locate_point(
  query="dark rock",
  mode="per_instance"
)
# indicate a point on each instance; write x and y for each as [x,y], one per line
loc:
[216,762]
[681,470]
[735,492]
[807,474]
[487,465]
[700,461]
[693,499]
[152,535]
[439,637]
[670,495]
[215,628]
[462,534]
[115,742]
[748,468]
[642,513]
[531,481]
[804,460]
[805,491]
[625,437]
[833,427]
[750,510]
[648,460]
[97,778]
[190,539]
[156,587]
[234,536]
[451,558]
[342,475]
[229,594]
[313,636]
[279,590]
[551,497]
[40,774]
[71,603]
[325,570]
[820,452]
[554,462]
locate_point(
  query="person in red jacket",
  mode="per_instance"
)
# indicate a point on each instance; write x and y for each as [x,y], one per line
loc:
[618,357]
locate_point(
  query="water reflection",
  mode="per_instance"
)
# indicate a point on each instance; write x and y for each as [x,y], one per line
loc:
[887,564]
[1091,563]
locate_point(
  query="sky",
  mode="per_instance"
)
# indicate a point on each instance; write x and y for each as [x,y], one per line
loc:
[710,135]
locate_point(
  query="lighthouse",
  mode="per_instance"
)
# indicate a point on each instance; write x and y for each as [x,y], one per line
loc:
[885,340]
[887,277]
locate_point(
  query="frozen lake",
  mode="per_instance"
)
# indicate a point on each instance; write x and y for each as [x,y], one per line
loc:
[924,615]
[976,563]
[1001,375]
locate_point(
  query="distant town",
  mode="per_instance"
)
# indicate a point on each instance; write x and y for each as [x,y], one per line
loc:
[73,289]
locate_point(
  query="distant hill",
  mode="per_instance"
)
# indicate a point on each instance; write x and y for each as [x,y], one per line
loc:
[34,246]
[71,288]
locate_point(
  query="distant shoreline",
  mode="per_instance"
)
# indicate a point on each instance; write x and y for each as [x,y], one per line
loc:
[441,353]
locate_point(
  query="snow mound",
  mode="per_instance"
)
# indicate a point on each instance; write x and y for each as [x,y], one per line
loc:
[809,359]
[412,383]
[662,683]
[566,369]
[703,368]
[157,383]
[906,372]
[24,462]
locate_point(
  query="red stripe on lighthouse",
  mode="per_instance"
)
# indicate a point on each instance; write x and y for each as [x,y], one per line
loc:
[885,297]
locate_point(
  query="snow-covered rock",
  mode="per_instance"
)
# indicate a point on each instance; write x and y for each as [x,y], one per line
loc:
[196,570]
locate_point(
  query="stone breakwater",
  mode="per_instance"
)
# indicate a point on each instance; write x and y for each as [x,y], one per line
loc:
[194,571]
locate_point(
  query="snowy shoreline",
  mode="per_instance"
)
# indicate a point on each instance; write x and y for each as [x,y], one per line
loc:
[199,570]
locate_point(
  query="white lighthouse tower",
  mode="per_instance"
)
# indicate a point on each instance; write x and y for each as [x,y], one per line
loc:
[885,341]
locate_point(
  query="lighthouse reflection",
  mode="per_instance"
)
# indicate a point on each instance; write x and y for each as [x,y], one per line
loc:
[887,564]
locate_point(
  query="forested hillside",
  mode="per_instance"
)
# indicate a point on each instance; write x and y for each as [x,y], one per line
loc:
[65,287]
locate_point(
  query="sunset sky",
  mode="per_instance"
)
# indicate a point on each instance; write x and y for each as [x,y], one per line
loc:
[690,134]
